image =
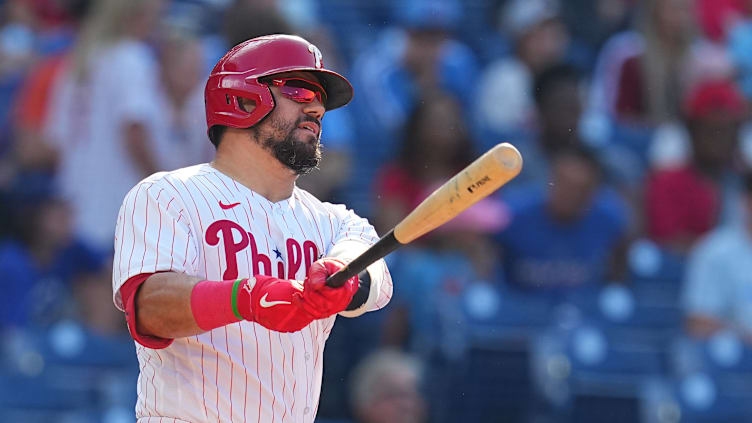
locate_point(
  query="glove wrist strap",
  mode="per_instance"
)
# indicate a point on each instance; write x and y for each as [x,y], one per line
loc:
[218,303]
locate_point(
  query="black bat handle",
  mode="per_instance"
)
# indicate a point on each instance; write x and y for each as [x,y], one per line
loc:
[384,246]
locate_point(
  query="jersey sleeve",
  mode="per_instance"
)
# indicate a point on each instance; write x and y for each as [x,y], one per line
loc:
[153,235]
[353,236]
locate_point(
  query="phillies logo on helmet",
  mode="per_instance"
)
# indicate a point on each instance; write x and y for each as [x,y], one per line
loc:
[318,57]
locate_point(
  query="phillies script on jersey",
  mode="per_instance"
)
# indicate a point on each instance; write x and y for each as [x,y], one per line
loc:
[201,222]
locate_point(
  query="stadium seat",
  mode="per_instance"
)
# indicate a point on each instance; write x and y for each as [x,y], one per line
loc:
[490,383]
[65,374]
[655,271]
[723,355]
[589,374]
[42,392]
[696,398]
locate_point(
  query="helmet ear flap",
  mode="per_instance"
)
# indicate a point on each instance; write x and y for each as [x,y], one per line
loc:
[223,96]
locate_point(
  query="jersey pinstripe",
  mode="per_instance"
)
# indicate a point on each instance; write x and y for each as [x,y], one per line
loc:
[200,222]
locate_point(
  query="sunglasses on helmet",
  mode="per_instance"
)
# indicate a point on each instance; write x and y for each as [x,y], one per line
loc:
[300,90]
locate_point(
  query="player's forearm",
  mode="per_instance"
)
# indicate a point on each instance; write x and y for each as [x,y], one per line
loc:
[163,306]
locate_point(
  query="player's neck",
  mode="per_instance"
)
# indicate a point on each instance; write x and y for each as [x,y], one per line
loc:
[256,168]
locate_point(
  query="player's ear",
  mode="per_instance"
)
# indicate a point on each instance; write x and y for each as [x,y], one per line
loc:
[246,104]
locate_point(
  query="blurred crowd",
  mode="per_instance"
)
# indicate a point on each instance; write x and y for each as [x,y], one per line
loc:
[610,281]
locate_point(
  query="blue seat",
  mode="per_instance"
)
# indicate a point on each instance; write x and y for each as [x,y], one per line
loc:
[629,317]
[66,370]
[46,416]
[67,343]
[588,374]
[723,355]
[42,392]
[490,382]
[623,356]
[512,310]
[603,406]
[726,408]
[655,268]
[621,306]
[697,398]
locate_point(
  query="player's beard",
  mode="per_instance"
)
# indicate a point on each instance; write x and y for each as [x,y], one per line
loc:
[300,156]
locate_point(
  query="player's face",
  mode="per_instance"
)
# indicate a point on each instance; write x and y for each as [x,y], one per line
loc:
[292,131]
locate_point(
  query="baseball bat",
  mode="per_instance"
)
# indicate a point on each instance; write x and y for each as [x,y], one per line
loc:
[479,179]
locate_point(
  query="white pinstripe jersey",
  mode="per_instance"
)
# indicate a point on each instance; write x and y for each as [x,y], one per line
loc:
[201,222]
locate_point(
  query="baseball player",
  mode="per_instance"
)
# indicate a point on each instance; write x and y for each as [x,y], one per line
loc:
[220,268]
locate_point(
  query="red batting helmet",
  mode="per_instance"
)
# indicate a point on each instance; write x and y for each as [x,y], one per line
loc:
[237,74]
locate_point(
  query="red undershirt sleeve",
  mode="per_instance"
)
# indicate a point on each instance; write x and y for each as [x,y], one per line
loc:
[128,294]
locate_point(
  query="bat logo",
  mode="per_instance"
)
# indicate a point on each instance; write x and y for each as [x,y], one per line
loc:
[484,180]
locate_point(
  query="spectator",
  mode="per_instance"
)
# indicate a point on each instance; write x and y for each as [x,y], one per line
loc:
[717,17]
[591,22]
[650,84]
[92,310]
[540,39]
[32,151]
[436,145]
[103,113]
[716,293]
[17,54]
[566,236]
[395,72]
[386,388]
[42,261]
[420,54]
[642,74]
[181,127]
[559,107]
[684,202]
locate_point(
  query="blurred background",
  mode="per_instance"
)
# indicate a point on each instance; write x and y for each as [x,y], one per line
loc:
[611,281]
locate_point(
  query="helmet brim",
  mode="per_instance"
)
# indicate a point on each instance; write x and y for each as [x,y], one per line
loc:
[339,92]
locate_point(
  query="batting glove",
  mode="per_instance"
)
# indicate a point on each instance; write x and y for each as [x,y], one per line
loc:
[276,304]
[321,300]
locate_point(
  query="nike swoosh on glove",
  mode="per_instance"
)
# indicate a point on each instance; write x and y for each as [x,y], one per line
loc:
[321,300]
[276,304]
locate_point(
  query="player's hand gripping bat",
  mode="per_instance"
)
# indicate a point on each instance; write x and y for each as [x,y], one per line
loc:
[475,182]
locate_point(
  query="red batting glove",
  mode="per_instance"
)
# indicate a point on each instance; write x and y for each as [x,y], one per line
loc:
[321,300]
[276,304]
